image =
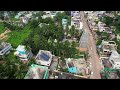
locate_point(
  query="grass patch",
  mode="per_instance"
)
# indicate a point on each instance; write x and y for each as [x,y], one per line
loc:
[2,28]
[16,38]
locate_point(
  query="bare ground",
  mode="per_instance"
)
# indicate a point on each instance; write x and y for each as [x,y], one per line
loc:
[4,35]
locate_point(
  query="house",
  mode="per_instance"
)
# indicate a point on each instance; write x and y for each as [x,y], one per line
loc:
[115,59]
[44,57]
[106,48]
[77,66]
[5,49]
[23,53]
[25,19]
[37,72]
[50,14]
[18,15]
[111,73]
[63,75]
[101,27]
[75,20]
[54,63]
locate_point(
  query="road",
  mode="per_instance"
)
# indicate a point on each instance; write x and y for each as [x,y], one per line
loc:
[94,58]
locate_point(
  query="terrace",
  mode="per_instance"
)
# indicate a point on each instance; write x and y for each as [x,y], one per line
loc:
[112,73]
[44,58]
[76,66]
[37,72]
[63,75]
[4,48]
[3,45]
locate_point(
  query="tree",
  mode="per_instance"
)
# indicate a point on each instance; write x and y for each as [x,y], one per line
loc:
[1,15]
[105,35]
[107,20]
[99,42]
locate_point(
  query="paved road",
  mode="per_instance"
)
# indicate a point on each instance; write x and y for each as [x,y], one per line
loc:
[94,59]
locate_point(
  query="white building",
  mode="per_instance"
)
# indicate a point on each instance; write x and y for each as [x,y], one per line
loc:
[115,59]
[5,49]
[23,53]
[76,20]
[44,58]
[50,14]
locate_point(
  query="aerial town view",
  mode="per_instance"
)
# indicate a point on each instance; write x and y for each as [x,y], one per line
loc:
[59,44]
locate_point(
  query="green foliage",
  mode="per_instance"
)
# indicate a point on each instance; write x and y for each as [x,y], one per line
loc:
[105,36]
[17,38]
[99,42]
[107,20]
[2,28]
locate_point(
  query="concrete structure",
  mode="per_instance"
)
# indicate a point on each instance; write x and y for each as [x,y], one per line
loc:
[5,49]
[37,72]
[75,20]
[63,75]
[84,41]
[23,53]
[50,14]
[44,58]
[106,48]
[115,59]
[77,66]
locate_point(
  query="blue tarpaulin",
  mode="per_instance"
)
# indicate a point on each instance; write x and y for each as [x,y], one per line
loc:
[72,70]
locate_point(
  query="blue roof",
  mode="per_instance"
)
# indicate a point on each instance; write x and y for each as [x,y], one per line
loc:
[22,52]
[72,70]
[44,56]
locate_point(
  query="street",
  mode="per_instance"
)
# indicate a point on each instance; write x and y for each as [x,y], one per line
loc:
[94,58]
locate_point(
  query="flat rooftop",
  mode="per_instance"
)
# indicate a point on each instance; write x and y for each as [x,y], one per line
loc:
[63,75]
[43,55]
[3,45]
[36,72]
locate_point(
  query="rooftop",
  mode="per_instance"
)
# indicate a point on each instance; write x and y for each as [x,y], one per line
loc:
[3,45]
[37,72]
[63,75]
[115,56]
[43,55]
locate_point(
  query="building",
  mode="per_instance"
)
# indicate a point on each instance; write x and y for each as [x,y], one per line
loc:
[101,26]
[77,66]
[54,63]
[44,58]
[111,73]
[115,59]
[23,53]
[50,14]
[37,72]
[63,75]
[5,49]
[76,20]
[25,19]
[106,48]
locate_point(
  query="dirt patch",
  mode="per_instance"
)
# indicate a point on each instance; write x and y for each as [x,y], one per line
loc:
[4,35]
